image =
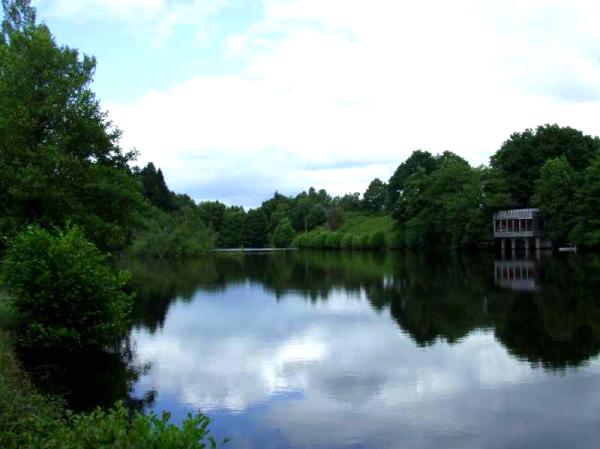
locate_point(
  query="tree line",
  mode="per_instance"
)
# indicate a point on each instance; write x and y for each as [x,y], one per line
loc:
[436,200]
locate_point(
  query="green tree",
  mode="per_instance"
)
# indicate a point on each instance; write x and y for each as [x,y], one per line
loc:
[232,230]
[335,217]
[155,188]
[444,207]
[587,231]
[521,158]
[65,293]
[377,240]
[255,229]
[316,217]
[283,234]
[60,158]
[213,214]
[350,202]
[375,197]
[417,160]
[555,195]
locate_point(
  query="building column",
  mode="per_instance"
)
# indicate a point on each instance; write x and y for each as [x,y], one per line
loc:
[513,244]
[538,243]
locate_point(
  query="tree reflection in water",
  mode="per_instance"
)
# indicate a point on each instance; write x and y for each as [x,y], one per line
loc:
[548,316]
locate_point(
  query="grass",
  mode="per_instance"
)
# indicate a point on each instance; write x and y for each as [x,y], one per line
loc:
[357,224]
[25,415]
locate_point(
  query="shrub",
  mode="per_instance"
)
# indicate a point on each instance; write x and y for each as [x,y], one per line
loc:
[300,241]
[321,240]
[113,429]
[356,242]
[283,234]
[334,240]
[365,241]
[377,240]
[173,235]
[347,241]
[64,292]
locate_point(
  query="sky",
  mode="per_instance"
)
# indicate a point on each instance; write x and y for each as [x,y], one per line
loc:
[237,99]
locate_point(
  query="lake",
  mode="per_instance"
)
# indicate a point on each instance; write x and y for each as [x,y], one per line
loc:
[361,350]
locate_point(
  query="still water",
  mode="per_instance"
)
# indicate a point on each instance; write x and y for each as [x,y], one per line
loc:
[365,350]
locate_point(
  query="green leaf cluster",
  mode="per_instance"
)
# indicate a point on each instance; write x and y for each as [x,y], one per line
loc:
[63,290]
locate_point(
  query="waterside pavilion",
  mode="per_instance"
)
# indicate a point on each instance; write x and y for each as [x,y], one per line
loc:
[518,226]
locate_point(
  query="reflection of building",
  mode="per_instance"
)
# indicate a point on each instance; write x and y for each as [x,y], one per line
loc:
[520,275]
[518,226]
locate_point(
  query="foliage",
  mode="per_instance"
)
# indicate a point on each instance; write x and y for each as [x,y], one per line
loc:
[445,206]
[26,417]
[113,428]
[377,240]
[555,193]
[7,312]
[231,231]
[179,234]
[521,158]
[254,234]
[587,230]
[60,159]
[155,188]
[30,420]
[316,217]
[417,160]
[376,196]
[283,234]
[335,217]
[64,292]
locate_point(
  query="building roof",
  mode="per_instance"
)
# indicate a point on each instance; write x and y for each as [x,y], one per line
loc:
[516,214]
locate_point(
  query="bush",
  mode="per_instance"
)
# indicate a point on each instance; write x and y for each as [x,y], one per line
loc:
[347,241]
[113,429]
[356,242]
[365,241]
[321,240]
[180,234]
[64,292]
[300,241]
[377,240]
[334,240]
[283,234]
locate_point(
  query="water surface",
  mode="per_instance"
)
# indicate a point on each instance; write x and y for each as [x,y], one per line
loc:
[370,350]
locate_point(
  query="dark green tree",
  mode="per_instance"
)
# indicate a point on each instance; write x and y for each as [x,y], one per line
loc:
[587,231]
[231,232]
[350,202]
[60,159]
[375,197]
[213,214]
[316,216]
[155,188]
[555,195]
[521,158]
[255,229]
[65,292]
[444,207]
[418,159]
[283,234]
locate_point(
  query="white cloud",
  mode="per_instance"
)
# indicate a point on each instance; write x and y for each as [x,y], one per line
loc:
[304,369]
[371,81]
